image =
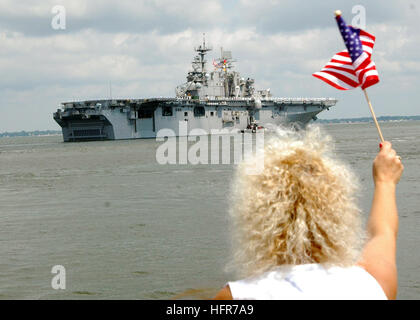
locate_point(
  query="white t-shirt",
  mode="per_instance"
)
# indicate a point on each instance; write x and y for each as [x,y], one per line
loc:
[309,281]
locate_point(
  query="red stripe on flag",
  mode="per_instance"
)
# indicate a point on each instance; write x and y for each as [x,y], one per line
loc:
[370,81]
[364,33]
[343,53]
[342,78]
[329,82]
[341,69]
[342,62]
[364,64]
[368,44]
[362,73]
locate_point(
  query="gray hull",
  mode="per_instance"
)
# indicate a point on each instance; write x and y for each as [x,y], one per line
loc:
[148,118]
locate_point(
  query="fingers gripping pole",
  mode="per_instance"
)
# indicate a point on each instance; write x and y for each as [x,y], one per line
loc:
[373,116]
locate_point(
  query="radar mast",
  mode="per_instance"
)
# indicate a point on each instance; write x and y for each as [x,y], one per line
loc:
[202,51]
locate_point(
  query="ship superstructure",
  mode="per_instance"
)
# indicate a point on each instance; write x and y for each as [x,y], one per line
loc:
[210,101]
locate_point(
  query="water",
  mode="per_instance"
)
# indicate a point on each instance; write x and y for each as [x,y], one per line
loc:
[125,227]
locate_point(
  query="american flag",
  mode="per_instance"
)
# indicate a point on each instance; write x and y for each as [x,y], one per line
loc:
[353,67]
[219,64]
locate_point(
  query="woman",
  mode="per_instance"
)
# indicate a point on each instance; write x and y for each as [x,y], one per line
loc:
[297,229]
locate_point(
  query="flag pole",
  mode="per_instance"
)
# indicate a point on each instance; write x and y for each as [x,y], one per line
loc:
[373,115]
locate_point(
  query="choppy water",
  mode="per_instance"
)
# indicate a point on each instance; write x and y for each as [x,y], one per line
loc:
[125,227]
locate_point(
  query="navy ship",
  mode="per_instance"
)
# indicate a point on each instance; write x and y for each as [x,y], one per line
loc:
[215,99]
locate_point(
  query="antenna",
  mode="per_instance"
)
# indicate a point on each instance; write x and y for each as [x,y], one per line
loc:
[202,50]
[110,90]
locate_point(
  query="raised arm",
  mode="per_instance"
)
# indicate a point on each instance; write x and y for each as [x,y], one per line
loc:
[379,253]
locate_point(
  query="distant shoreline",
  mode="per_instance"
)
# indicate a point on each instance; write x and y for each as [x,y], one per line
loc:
[369,119]
[30,133]
[341,120]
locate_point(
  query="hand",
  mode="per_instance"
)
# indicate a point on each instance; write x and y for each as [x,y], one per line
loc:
[387,166]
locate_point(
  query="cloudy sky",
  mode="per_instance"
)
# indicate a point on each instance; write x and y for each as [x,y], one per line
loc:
[144,49]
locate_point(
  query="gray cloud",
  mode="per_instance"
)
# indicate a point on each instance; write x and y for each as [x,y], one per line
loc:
[144,48]
[273,16]
[164,17]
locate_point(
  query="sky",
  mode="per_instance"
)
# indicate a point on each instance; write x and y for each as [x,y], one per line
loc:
[144,48]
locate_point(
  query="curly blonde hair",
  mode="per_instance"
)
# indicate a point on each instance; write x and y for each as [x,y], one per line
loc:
[299,209]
